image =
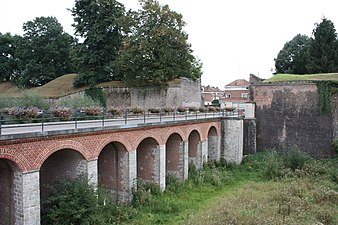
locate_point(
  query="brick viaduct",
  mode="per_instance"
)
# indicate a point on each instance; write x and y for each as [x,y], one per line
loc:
[113,158]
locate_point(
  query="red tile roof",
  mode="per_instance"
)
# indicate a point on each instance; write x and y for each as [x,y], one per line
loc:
[239,82]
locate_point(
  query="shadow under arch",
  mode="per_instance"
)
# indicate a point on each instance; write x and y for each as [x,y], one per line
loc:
[194,148]
[175,156]
[213,144]
[10,177]
[147,160]
[113,170]
[64,163]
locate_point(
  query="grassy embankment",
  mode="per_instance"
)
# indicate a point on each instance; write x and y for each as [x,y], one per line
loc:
[267,188]
[58,87]
[305,77]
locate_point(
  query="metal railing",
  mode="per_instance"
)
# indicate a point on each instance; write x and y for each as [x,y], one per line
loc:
[44,124]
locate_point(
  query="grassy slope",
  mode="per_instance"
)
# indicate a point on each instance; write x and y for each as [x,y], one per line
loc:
[307,77]
[59,87]
[248,199]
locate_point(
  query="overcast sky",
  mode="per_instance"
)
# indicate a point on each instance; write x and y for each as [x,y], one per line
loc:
[232,38]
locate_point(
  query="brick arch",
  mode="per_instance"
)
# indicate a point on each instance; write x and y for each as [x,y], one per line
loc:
[147,161]
[19,161]
[212,127]
[110,139]
[177,131]
[144,135]
[65,144]
[198,129]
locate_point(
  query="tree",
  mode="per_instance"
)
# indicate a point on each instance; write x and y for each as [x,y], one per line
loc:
[72,202]
[156,48]
[96,22]
[43,52]
[323,48]
[8,63]
[294,56]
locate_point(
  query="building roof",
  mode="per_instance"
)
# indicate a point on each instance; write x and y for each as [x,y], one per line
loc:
[211,89]
[239,82]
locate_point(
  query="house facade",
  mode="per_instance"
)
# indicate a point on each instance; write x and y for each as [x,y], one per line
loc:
[236,93]
[211,93]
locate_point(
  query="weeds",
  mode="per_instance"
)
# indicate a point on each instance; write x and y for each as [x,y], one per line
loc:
[267,188]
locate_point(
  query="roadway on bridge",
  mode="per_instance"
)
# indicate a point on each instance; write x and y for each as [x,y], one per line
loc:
[74,125]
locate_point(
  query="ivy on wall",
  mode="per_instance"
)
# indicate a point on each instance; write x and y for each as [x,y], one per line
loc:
[325,89]
[97,94]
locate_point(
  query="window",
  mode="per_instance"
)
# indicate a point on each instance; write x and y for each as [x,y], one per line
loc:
[244,95]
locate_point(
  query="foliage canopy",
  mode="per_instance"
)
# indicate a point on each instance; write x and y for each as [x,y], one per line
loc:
[155,48]
[96,22]
[318,54]
[43,52]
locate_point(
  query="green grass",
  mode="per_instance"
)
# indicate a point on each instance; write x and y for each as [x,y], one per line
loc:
[305,77]
[248,195]
[58,87]
[300,191]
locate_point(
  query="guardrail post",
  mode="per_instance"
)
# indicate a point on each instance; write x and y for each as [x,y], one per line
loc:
[160,117]
[103,121]
[144,117]
[75,123]
[125,117]
[196,115]
[174,114]
[186,115]
[0,126]
[42,127]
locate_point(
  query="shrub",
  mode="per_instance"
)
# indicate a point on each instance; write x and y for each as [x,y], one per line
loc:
[78,101]
[71,202]
[335,145]
[98,95]
[144,192]
[211,109]
[203,109]
[193,109]
[61,112]
[168,109]
[114,111]
[92,111]
[273,165]
[6,102]
[137,110]
[294,158]
[154,110]
[31,99]
[181,109]
[23,113]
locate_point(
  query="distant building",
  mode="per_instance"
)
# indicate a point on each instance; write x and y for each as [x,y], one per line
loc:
[211,93]
[236,92]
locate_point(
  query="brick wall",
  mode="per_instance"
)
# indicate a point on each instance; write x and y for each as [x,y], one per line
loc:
[174,156]
[146,152]
[287,114]
[6,195]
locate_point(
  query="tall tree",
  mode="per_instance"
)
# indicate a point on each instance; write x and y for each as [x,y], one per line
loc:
[96,23]
[43,52]
[156,48]
[8,63]
[323,48]
[294,56]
